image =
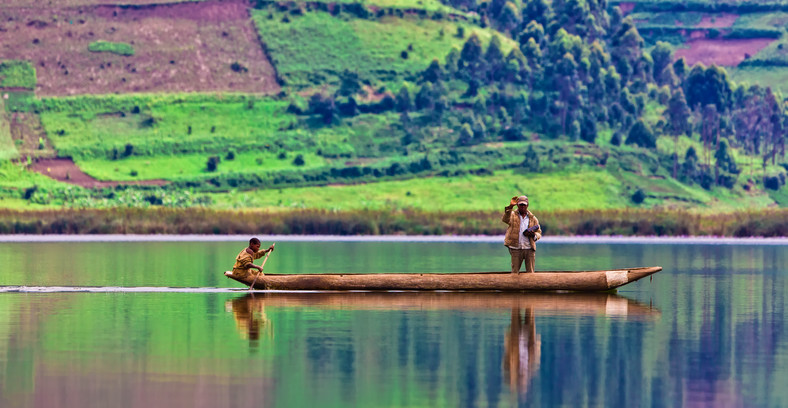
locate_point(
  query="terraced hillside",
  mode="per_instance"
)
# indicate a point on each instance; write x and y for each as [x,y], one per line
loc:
[389,104]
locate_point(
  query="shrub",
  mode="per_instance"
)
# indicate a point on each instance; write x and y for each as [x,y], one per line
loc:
[638,197]
[299,160]
[237,67]
[771,182]
[213,163]
[118,48]
[17,74]
[230,155]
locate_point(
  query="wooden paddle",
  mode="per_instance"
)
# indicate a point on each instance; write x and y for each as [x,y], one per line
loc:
[261,267]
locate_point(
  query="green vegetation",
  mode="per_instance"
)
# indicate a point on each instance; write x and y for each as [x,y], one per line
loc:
[421,111]
[103,127]
[769,223]
[17,74]
[389,49]
[118,48]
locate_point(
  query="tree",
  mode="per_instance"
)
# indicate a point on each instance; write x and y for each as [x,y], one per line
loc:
[641,135]
[471,53]
[404,103]
[531,162]
[349,84]
[662,55]
[708,86]
[433,73]
[539,11]
[494,59]
[678,122]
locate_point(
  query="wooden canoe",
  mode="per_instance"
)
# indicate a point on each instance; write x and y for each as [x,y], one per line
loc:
[486,281]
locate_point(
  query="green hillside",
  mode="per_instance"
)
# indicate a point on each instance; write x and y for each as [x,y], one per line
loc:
[400,105]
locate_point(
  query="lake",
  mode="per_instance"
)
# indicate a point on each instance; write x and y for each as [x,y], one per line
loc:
[156,324]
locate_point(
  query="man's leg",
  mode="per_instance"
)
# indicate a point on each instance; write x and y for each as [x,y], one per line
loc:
[529,256]
[517,259]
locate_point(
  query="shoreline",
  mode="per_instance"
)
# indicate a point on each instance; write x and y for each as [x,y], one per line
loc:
[580,239]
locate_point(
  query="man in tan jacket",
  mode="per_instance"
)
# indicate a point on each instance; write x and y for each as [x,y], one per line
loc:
[522,234]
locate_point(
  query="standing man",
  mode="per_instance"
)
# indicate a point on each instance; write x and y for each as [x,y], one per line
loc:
[243,262]
[522,234]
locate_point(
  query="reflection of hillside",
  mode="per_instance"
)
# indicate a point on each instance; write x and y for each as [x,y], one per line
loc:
[540,303]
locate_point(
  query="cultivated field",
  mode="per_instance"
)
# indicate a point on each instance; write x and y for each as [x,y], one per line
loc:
[183,47]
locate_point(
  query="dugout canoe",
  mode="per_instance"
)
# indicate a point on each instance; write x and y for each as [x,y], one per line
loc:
[582,281]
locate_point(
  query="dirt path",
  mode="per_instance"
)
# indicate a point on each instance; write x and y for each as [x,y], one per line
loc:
[67,171]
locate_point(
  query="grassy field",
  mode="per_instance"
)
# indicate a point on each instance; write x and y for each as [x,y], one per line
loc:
[8,149]
[164,126]
[192,165]
[370,48]
[567,190]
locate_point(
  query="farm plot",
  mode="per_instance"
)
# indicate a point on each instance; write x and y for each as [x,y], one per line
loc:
[183,47]
[724,52]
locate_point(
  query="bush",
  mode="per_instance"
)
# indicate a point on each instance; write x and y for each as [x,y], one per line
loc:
[230,155]
[237,67]
[641,135]
[299,160]
[17,74]
[111,47]
[638,197]
[213,163]
[771,182]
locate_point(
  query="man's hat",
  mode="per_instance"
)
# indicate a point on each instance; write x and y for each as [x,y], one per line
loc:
[522,200]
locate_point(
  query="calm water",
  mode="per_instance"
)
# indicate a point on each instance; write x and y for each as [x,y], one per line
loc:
[710,330]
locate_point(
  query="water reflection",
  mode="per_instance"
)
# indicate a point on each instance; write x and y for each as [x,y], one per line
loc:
[519,346]
[250,318]
[522,350]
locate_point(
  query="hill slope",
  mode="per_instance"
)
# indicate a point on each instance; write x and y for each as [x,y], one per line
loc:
[402,105]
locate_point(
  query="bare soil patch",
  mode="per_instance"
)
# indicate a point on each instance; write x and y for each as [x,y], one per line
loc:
[626,7]
[721,52]
[182,47]
[67,171]
[722,20]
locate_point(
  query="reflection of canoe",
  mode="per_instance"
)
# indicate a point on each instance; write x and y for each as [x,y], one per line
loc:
[488,281]
[543,303]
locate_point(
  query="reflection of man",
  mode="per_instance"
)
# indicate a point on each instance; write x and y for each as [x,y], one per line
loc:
[249,314]
[522,351]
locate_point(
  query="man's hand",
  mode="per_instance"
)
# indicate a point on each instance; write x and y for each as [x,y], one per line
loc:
[271,248]
[528,233]
[513,201]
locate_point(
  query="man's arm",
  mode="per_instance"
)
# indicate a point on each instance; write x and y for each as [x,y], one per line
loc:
[507,211]
[259,254]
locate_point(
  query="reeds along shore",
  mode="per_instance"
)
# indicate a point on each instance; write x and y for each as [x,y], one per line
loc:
[762,223]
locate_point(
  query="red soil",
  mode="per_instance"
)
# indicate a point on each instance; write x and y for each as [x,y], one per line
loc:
[626,7]
[66,171]
[184,47]
[721,52]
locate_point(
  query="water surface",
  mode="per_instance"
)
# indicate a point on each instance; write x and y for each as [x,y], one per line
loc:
[96,324]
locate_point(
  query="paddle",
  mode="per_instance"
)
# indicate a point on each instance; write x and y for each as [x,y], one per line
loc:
[261,267]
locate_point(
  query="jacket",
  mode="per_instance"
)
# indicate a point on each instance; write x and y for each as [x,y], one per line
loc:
[512,237]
